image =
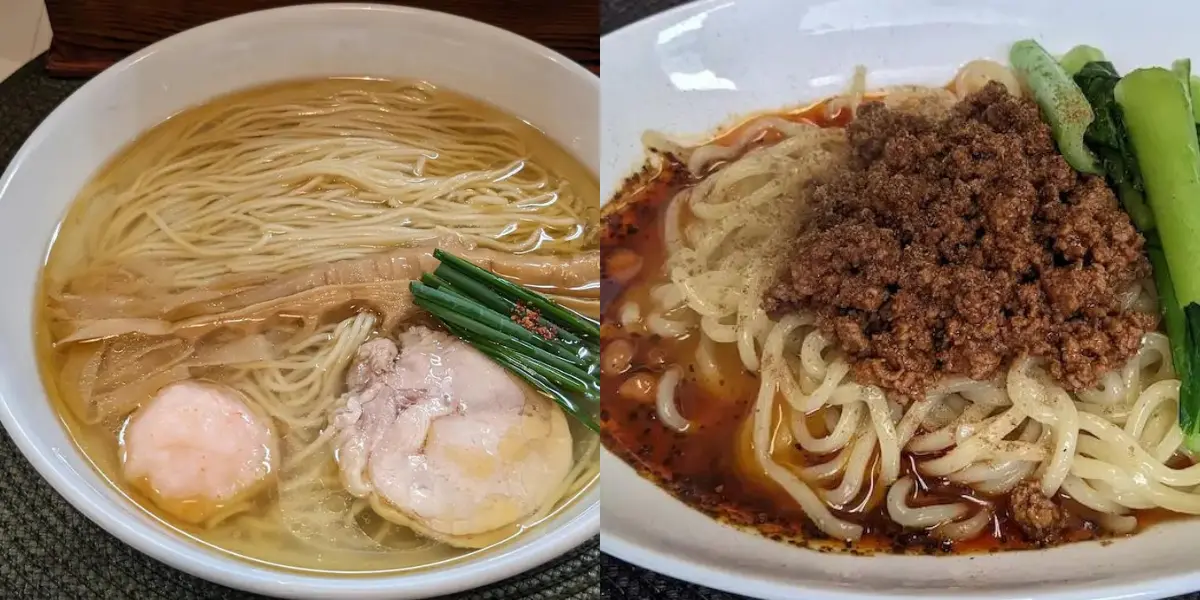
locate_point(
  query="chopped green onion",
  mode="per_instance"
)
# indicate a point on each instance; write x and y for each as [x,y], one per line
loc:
[460,304]
[559,357]
[485,295]
[483,331]
[475,290]
[561,315]
[534,379]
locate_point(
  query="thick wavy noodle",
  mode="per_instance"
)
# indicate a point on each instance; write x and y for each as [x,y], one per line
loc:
[838,448]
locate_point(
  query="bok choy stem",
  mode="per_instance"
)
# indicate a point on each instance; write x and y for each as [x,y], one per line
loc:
[1063,105]
[1158,115]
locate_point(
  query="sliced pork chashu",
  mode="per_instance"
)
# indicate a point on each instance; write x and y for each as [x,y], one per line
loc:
[444,441]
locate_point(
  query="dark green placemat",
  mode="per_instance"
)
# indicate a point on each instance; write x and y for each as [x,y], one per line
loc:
[48,550]
[621,580]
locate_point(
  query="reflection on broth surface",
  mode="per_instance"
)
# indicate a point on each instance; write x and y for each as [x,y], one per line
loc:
[229,335]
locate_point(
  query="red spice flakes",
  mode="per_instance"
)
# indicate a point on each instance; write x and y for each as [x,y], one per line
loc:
[528,318]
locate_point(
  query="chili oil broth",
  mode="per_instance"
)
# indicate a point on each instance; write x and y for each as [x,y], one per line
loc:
[711,467]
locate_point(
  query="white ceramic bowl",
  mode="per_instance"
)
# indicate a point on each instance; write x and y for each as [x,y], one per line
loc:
[689,70]
[513,73]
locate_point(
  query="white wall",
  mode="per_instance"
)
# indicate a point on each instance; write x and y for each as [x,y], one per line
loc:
[24,33]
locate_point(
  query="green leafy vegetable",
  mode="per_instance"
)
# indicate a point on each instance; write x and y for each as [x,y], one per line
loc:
[1182,68]
[1106,137]
[1110,138]
[1075,58]
[558,356]
[1159,118]
[1174,319]
[1063,104]
[1194,88]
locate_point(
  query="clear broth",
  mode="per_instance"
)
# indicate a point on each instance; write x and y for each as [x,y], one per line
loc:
[98,443]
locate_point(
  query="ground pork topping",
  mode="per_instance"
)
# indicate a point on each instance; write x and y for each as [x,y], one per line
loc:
[1041,519]
[953,246]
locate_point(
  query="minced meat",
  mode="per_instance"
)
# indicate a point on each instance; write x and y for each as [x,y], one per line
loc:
[953,246]
[1040,518]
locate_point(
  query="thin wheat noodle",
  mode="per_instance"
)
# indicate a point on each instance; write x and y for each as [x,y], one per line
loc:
[331,174]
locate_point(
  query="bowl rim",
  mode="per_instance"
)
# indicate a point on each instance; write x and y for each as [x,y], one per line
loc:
[222,568]
[728,580]
[724,578]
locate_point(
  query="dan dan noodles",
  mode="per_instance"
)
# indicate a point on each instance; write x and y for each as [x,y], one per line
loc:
[231,330]
[918,318]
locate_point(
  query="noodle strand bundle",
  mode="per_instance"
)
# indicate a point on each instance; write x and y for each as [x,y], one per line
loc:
[253,245]
[835,446]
